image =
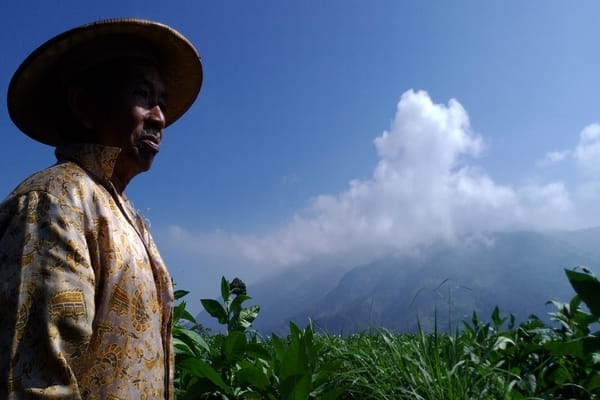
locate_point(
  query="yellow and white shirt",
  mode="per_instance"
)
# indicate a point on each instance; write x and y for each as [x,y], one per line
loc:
[85,298]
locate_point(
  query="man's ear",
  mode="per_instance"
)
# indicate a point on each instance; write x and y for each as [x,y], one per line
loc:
[81,105]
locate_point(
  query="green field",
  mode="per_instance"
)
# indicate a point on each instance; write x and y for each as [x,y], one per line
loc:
[491,358]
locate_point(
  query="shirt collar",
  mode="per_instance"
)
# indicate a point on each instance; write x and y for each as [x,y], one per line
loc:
[98,160]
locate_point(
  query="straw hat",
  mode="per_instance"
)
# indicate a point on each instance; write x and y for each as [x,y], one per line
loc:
[33,90]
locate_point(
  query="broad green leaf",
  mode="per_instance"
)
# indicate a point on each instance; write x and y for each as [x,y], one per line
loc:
[296,387]
[299,356]
[561,375]
[234,346]
[201,369]
[588,288]
[258,350]
[225,290]
[575,302]
[188,317]
[295,329]
[564,348]
[215,309]
[181,348]
[180,293]
[278,347]
[236,304]
[498,321]
[529,383]
[248,315]
[502,342]
[194,340]
[252,375]
[197,390]
[594,383]
[178,312]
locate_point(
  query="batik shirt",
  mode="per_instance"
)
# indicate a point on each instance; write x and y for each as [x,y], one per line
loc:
[85,299]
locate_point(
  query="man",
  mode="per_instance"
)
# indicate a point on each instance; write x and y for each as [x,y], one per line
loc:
[85,299]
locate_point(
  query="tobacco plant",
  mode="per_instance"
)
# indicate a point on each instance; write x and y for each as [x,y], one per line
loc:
[484,360]
[238,365]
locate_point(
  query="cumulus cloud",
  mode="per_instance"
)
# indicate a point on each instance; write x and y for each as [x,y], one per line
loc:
[424,188]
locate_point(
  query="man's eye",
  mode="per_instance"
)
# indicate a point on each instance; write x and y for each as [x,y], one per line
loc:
[144,93]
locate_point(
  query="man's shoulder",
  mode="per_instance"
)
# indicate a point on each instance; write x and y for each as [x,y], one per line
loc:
[55,180]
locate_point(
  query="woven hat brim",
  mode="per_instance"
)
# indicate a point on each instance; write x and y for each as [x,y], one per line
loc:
[32,92]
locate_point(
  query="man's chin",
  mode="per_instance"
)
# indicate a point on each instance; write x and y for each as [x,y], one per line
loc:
[145,161]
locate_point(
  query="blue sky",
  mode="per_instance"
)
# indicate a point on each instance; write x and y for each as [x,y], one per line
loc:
[343,130]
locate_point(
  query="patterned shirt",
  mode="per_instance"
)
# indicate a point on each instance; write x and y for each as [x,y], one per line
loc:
[85,298]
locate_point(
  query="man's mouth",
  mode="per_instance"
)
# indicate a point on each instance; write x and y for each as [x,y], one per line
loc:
[149,143]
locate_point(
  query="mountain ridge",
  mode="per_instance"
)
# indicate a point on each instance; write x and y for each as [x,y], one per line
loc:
[438,286]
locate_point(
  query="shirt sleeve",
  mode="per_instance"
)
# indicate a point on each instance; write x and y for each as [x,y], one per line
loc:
[46,297]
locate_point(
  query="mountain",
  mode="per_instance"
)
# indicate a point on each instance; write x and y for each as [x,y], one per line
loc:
[443,284]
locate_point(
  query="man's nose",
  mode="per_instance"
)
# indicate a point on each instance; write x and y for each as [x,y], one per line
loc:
[157,116]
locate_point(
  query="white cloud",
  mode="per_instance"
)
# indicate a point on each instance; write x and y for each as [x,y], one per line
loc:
[587,152]
[423,189]
[547,206]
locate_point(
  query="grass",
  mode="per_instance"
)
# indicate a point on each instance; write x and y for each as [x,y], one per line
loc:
[384,365]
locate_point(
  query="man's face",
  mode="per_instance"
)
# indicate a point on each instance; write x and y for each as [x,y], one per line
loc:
[130,116]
